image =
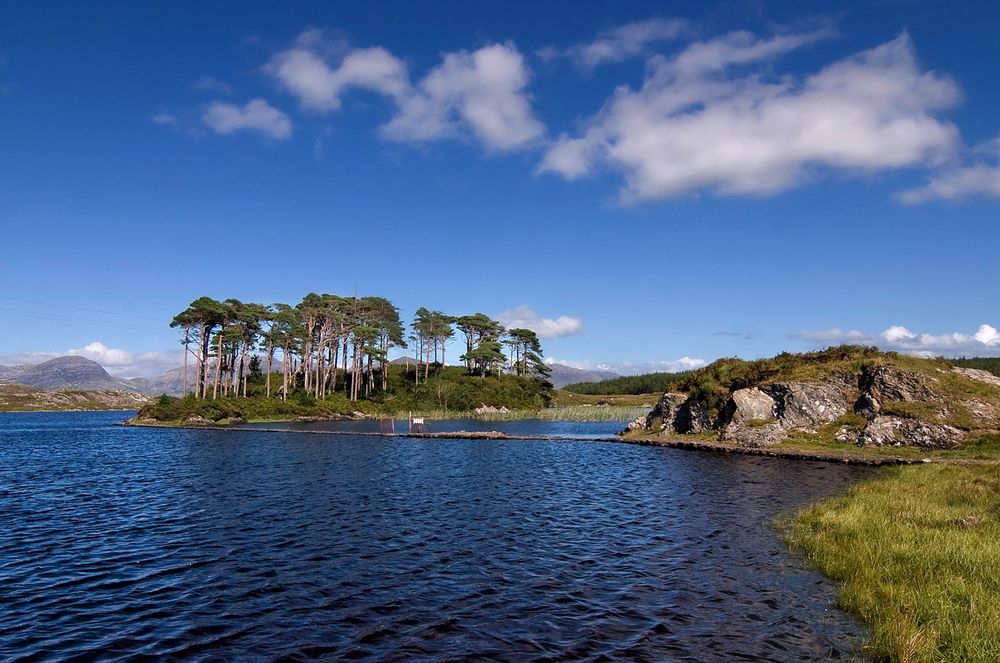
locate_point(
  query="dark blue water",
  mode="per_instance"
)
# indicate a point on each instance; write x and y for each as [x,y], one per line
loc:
[120,542]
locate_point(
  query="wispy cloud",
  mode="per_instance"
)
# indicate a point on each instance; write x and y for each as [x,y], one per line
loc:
[524,317]
[633,368]
[212,84]
[746,336]
[985,341]
[256,116]
[980,177]
[711,119]
[621,43]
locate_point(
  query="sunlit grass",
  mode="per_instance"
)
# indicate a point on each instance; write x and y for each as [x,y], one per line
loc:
[917,554]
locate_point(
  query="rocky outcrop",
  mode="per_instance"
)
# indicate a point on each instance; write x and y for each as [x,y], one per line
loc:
[879,384]
[808,403]
[888,431]
[892,403]
[674,413]
[978,375]
[749,405]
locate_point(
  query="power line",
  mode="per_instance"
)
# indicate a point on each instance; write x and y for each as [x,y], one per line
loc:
[67,318]
[81,308]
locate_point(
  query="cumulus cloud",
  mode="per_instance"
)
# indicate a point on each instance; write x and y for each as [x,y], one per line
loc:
[482,92]
[479,94]
[623,42]
[256,115]
[524,317]
[633,368]
[304,72]
[981,177]
[710,119]
[985,341]
[119,363]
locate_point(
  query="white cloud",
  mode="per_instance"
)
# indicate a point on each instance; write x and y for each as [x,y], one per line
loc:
[304,72]
[980,178]
[119,363]
[257,115]
[479,93]
[633,368]
[703,122]
[524,317]
[623,42]
[985,341]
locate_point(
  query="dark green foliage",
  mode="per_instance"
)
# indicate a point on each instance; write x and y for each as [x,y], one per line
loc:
[991,364]
[650,383]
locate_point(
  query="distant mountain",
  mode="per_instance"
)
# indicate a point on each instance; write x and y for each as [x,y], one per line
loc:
[563,375]
[66,373]
[170,382]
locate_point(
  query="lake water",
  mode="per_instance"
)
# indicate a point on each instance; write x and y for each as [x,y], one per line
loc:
[123,542]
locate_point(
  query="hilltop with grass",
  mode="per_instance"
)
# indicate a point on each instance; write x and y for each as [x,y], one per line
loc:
[840,398]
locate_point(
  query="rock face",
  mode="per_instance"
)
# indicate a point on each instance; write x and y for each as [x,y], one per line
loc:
[888,431]
[676,413]
[896,407]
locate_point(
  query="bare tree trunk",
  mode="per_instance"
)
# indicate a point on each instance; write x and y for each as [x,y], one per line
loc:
[218,368]
[267,376]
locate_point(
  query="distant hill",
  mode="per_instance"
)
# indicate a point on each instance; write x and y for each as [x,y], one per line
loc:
[65,373]
[563,375]
[170,382]
[25,398]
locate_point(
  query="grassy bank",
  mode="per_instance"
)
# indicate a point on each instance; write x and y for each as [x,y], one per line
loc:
[917,555]
[167,409]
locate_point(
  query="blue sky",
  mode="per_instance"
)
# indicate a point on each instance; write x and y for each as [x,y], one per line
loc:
[648,185]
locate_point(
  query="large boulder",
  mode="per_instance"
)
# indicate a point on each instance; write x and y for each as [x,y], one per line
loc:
[807,403]
[746,405]
[886,431]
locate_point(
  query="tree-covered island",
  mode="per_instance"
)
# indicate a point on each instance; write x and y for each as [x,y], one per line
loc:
[328,356]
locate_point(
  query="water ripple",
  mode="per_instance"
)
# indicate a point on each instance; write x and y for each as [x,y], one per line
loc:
[125,544]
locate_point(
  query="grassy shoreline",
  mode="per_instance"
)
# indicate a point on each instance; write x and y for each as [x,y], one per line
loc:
[916,554]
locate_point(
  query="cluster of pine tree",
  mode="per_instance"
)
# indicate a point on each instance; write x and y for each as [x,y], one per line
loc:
[327,343]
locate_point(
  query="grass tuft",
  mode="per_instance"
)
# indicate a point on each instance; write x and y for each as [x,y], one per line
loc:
[917,556]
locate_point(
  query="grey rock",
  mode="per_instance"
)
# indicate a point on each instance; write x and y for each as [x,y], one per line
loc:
[751,404]
[887,431]
[807,403]
[980,376]
[749,434]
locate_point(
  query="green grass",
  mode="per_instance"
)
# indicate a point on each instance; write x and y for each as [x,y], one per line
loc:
[917,557]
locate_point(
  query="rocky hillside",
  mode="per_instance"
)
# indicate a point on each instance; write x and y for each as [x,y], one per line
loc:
[848,395]
[63,373]
[24,398]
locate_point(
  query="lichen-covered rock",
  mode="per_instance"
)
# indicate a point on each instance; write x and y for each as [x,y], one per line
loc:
[746,405]
[754,433]
[637,424]
[886,431]
[887,383]
[978,375]
[807,403]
